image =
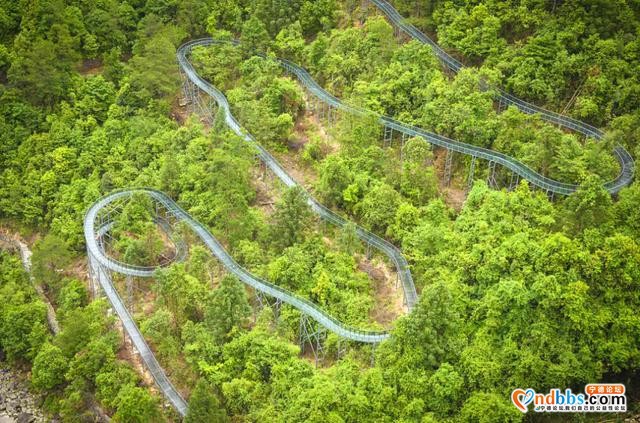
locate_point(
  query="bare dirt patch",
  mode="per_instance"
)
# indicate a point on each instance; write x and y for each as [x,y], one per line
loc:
[454,197]
[180,110]
[91,67]
[129,353]
[389,302]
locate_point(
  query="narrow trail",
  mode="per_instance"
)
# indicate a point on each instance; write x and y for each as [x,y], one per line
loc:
[13,241]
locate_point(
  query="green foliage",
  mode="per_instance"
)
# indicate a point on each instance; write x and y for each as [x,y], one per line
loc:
[50,257]
[73,295]
[589,207]
[23,327]
[328,278]
[111,379]
[153,69]
[42,68]
[378,207]
[476,34]
[515,291]
[348,239]
[181,293]
[291,219]
[227,307]
[255,37]
[204,405]
[135,404]
[487,408]
[49,367]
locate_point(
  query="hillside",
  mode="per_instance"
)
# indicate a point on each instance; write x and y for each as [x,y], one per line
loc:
[312,211]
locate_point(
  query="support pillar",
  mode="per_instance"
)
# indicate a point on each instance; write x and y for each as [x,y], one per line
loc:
[263,300]
[312,334]
[404,139]
[129,288]
[341,349]
[472,169]
[388,135]
[93,277]
[373,354]
[514,180]
[491,179]
[448,164]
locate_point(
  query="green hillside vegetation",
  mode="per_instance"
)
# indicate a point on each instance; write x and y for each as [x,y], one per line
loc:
[515,290]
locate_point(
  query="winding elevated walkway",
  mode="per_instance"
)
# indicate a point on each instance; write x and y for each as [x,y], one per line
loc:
[626,162]
[101,265]
[180,215]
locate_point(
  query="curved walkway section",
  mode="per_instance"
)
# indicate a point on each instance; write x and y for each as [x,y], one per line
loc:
[625,160]
[101,264]
[384,246]
[310,309]
[622,155]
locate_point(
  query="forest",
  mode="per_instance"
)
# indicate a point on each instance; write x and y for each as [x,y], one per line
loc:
[298,216]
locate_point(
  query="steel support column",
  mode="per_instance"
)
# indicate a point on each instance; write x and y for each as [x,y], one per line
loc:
[448,164]
[388,135]
[129,289]
[513,181]
[491,179]
[264,300]
[341,348]
[472,169]
[312,334]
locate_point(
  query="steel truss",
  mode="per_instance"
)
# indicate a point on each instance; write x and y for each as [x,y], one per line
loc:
[313,335]
[448,165]
[472,169]
[263,300]
[491,179]
[504,100]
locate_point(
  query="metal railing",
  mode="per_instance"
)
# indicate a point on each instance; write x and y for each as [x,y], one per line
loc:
[626,162]
[96,250]
[101,264]
[391,251]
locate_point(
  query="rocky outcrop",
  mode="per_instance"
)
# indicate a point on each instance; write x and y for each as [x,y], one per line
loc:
[17,404]
[9,403]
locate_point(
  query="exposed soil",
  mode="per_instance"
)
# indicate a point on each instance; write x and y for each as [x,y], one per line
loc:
[314,121]
[454,197]
[180,110]
[129,353]
[389,297]
[266,193]
[91,67]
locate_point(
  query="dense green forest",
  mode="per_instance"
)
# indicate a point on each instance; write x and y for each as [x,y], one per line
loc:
[517,290]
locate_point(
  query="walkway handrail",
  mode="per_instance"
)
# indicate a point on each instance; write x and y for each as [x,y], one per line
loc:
[627,165]
[307,307]
[390,250]
[101,262]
